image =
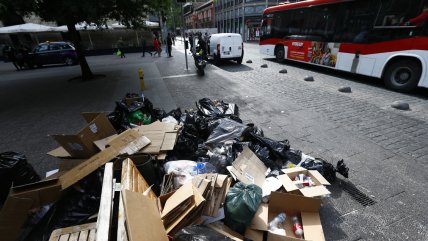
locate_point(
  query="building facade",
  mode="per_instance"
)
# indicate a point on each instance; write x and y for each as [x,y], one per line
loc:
[242,16]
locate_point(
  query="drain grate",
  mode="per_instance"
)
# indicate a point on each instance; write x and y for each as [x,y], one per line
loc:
[356,194]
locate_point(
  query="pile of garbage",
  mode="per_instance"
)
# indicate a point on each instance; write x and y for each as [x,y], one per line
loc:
[201,174]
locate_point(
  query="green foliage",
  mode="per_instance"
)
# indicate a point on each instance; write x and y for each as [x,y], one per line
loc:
[128,12]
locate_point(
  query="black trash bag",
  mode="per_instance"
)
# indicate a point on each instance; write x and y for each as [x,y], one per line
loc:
[199,233]
[240,206]
[255,129]
[326,169]
[263,153]
[225,130]
[119,121]
[158,114]
[218,109]
[293,156]
[175,113]
[74,208]
[277,148]
[15,169]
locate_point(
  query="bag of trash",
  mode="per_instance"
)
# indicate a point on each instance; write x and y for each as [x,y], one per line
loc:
[15,169]
[175,113]
[218,109]
[158,114]
[294,158]
[326,169]
[241,204]
[199,233]
[226,130]
[277,148]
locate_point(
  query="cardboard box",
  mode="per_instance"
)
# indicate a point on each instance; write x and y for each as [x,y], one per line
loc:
[290,185]
[81,144]
[307,209]
[20,203]
[248,168]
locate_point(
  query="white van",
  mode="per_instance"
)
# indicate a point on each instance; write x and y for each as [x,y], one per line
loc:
[226,46]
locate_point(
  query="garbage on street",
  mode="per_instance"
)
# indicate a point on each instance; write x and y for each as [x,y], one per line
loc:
[140,173]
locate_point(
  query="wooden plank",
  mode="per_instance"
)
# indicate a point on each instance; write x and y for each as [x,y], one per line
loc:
[74,236]
[125,185]
[134,179]
[92,235]
[72,229]
[84,235]
[64,237]
[105,211]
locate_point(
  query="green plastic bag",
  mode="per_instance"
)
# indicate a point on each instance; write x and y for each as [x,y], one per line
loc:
[118,53]
[241,204]
[139,118]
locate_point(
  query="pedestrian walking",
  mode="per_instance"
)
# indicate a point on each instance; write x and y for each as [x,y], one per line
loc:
[169,44]
[120,44]
[157,46]
[144,45]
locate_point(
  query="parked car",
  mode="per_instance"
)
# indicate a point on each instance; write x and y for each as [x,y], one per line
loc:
[53,53]
[226,46]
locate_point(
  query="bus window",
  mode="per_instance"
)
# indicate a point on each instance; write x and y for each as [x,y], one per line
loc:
[421,18]
[321,22]
[355,20]
[398,13]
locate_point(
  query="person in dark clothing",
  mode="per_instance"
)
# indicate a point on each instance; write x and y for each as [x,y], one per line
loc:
[11,56]
[191,42]
[144,44]
[169,44]
[202,46]
[120,44]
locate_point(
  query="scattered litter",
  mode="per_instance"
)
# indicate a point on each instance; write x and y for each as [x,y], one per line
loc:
[264,66]
[178,170]
[249,61]
[283,71]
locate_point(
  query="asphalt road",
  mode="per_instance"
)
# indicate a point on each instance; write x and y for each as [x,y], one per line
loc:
[386,149]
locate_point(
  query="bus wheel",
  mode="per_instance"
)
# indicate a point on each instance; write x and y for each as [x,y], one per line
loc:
[279,53]
[403,75]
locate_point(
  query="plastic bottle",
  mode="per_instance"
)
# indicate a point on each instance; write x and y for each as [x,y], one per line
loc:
[280,219]
[297,227]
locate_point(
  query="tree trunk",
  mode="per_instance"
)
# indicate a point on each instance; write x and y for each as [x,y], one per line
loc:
[86,71]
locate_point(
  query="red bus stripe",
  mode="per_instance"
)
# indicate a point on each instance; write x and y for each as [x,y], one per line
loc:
[302,4]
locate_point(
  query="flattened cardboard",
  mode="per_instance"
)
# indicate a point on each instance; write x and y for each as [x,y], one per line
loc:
[312,226]
[59,152]
[183,194]
[290,186]
[163,136]
[81,145]
[248,168]
[103,143]
[129,140]
[143,221]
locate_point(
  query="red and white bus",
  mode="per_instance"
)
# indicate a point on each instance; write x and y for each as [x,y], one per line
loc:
[386,39]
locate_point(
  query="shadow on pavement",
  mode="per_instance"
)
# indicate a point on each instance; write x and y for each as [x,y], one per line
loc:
[232,66]
[362,79]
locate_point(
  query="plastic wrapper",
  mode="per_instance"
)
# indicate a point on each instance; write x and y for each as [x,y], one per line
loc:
[169,119]
[15,169]
[326,169]
[241,204]
[184,171]
[226,130]
[199,233]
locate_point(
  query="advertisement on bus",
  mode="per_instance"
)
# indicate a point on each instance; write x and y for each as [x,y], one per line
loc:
[320,53]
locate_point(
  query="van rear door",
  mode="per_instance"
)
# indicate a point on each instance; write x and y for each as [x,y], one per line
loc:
[226,46]
[237,46]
